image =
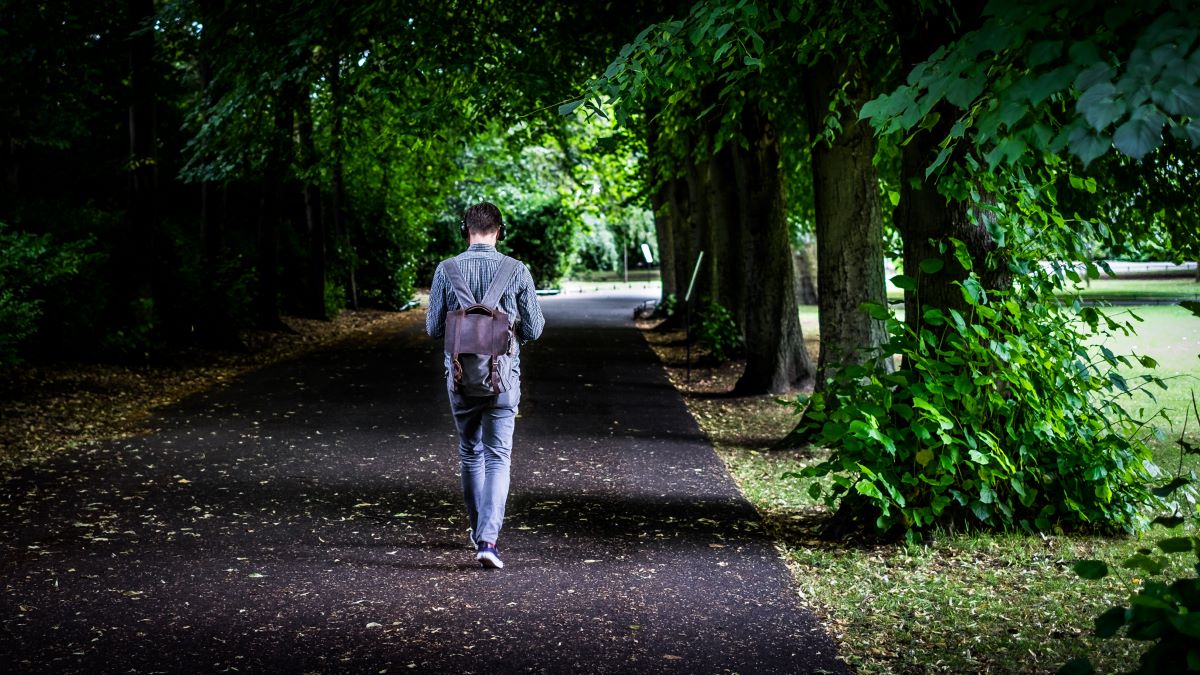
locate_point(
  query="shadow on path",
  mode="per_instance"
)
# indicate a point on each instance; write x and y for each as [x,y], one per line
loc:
[307,518]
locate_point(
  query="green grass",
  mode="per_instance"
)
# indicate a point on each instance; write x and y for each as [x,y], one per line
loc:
[1171,336]
[1181,289]
[959,603]
[977,602]
[1120,289]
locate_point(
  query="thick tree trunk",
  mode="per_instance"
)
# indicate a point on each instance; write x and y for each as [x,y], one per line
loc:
[926,220]
[849,223]
[924,217]
[776,360]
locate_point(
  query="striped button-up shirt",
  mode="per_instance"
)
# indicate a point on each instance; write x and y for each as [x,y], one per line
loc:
[479,264]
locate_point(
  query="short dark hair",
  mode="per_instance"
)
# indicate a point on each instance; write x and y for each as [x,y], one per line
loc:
[483,218]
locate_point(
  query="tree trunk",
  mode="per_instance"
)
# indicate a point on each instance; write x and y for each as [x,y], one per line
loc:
[806,275]
[314,286]
[776,360]
[926,220]
[849,223]
[699,229]
[338,197]
[726,272]
[924,217]
[142,267]
[10,182]
[273,213]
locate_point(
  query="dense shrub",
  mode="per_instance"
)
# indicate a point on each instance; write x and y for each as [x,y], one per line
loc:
[546,238]
[1003,416]
[598,250]
[717,332]
[30,264]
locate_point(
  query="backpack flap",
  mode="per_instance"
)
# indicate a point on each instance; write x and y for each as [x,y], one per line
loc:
[478,336]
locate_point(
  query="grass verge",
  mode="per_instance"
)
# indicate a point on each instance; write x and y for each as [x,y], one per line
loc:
[977,602]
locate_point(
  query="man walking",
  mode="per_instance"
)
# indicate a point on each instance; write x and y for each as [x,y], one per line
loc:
[485,423]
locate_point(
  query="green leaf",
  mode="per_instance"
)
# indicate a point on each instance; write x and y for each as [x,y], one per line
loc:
[1137,137]
[1044,52]
[868,489]
[981,511]
[932,265]
[568,108]
[1087,146]
[973,291]
[1085,53]
[814,491]
[1181,100]
[962,91]
[1100,106]
[1189,625]
[1108,623]
[1096,74]
[876,311]
[924,456]
[1091,569]
[904,282]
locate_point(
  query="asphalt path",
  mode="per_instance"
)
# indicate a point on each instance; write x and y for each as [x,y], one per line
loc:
[307,518]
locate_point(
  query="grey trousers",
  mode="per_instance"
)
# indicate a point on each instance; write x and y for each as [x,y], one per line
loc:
[485,434]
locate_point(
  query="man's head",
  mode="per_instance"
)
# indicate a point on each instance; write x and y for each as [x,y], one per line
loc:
[483,219]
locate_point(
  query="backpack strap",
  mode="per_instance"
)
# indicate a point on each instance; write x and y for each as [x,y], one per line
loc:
[459,283]
[500,282]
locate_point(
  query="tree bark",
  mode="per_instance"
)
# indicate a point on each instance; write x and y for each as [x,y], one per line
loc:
[314,286]
[924,217]
[776,360]
[338,196]
[849,222]
[664,216]
[273,212]
[142,267]
[726,271]
[927,220]
[806,275]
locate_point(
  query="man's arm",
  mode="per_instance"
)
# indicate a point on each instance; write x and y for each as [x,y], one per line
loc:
[531,323]
[435,318]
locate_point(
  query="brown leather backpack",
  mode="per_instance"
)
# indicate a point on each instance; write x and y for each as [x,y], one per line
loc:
[479,335]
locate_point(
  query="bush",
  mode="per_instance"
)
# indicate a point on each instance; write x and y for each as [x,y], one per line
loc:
[30,264]
[598,250]
[1006,416]
[718,332]
[546,238]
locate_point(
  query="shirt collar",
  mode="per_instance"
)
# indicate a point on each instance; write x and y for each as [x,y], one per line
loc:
[481,247]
